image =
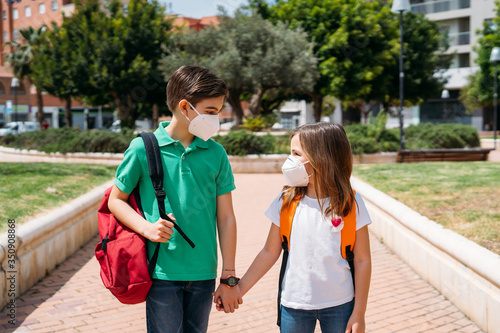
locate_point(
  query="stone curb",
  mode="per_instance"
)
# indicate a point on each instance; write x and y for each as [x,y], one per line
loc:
[268,163]
[46,241]
[466,273]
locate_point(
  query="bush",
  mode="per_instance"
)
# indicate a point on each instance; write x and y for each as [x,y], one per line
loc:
[68,140]
[372,138]
[243,143]
[259,123]
[435,136]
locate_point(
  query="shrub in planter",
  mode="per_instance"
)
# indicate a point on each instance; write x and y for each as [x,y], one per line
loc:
[435,136]
[243,143]
[65,140]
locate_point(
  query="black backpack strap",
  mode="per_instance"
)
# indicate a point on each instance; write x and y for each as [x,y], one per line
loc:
[156,174]
[350,260]
[284,261]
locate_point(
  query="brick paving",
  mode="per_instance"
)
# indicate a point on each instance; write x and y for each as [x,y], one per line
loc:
[73,299]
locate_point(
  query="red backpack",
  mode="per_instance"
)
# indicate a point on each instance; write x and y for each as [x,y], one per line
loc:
[121,253]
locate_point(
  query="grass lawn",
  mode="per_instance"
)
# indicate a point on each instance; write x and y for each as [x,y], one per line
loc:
[461,196]
[29,189]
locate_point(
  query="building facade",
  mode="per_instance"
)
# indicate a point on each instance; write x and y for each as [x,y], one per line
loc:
[462,20]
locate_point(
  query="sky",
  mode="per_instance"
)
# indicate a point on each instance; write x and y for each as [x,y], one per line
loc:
[201,8]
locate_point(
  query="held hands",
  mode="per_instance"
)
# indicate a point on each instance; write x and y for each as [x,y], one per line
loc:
[227,299]
[160,231]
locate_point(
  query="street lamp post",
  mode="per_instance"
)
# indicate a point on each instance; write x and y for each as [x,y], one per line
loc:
[14,84]
[495,58]
[445,94]
[401,6]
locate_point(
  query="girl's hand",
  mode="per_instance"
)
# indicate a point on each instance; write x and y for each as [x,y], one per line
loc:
[356,324]
[160,231]
[227,299]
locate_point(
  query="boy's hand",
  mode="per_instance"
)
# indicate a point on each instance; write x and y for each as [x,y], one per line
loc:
[160,231]
[227,299]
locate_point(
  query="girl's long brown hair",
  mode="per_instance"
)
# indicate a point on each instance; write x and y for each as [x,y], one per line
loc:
[329,153]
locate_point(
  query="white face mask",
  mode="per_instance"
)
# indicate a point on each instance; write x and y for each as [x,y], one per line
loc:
[295,172]
[203,126]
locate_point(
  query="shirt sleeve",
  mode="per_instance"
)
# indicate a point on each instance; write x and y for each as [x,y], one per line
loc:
[362,216]
[129,171]
[225,178]
[274,211]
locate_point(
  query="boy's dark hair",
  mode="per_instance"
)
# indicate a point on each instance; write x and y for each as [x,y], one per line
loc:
[193,84]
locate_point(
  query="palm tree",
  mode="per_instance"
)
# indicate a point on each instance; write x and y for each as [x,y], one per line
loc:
[20,60]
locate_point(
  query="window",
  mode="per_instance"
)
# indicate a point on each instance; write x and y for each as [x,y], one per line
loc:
[5,36]
[4,15]
[41,8]
[464,60]
[15,13]
[27,11]
[16,35]
[54,6]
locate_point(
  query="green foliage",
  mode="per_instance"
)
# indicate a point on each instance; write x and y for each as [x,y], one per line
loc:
[357,42]
[430,136]
[68,140]
[250,54]
[424,56]
[374,137]
[259,123]
[103,55]
[243,143]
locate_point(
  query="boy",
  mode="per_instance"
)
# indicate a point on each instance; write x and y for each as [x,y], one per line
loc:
[198,182]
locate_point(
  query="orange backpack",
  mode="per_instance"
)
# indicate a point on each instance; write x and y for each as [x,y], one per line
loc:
[347,236]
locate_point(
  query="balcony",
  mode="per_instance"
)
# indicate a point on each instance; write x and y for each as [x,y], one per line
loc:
[439,6]
[459,38]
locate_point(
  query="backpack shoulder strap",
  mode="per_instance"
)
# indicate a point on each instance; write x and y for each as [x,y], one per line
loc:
[348,237]
[286,219]
[156,173]
[348,232]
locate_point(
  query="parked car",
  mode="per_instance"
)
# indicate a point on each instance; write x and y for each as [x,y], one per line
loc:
[15,127]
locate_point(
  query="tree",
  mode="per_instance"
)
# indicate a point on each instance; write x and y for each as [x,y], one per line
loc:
[21,60]
[251,55]
[353,41]
[357,44]
[424,60]
[117,53]
[54,67]
[479,90]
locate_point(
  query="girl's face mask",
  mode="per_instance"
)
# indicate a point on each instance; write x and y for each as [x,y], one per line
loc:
[295,172]
[203,126]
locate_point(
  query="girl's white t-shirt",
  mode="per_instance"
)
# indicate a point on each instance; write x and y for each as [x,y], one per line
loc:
[316,275]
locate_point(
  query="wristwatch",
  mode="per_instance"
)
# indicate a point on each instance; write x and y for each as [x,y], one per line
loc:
[231,281]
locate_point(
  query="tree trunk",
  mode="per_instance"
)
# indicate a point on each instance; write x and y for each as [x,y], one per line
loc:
[318,107]
[156,115]
[67,114]
[123,110]
[255,102]
[39,101]
[234,101]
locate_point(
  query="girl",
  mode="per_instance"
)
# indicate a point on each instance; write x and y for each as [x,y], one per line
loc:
[317,282]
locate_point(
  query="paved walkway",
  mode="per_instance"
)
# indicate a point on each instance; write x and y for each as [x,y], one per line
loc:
[73,299]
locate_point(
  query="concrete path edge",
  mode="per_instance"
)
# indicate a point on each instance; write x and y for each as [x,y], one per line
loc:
[464,272]
[46,241]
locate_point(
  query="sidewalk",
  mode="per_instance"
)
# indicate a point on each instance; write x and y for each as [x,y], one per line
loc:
[73,299]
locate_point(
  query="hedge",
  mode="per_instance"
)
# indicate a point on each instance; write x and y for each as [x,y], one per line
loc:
[364,139]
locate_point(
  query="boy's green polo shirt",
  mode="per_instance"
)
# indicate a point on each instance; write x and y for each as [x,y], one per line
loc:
[193,178]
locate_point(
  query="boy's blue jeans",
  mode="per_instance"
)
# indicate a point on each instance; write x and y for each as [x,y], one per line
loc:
[179,306]
[331,320]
